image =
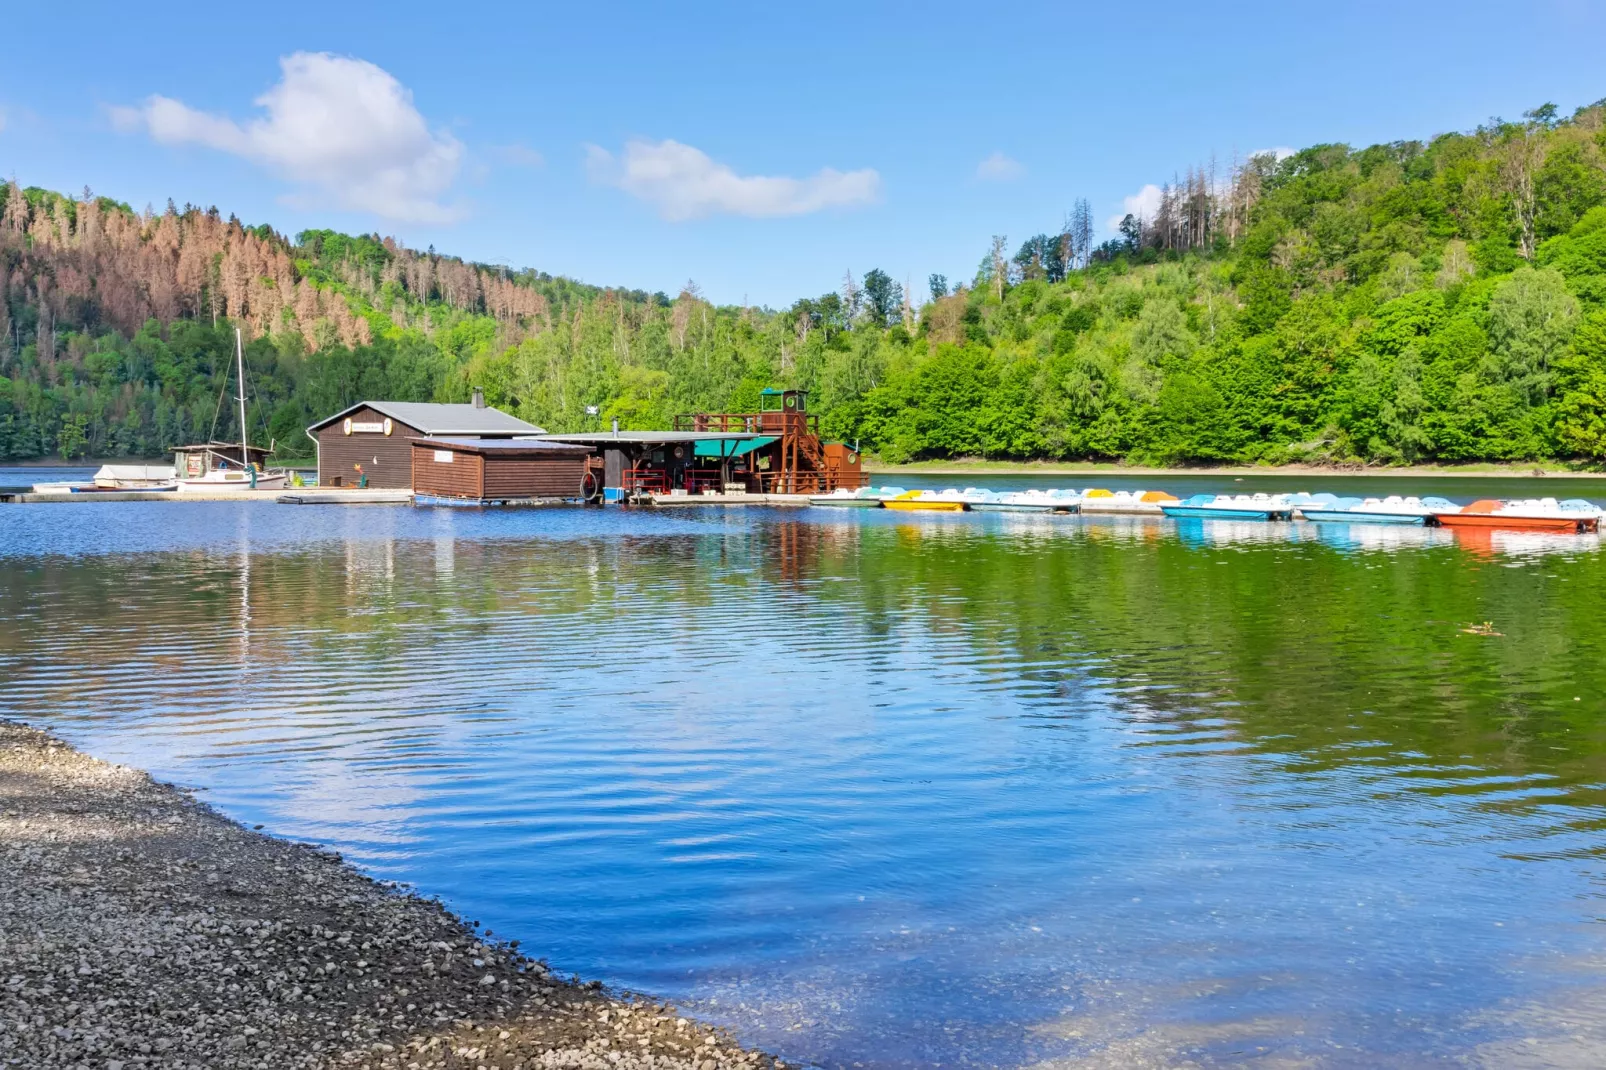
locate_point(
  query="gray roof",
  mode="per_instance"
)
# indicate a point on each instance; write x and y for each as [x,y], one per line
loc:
[503,445]
[638,438]
[434,419]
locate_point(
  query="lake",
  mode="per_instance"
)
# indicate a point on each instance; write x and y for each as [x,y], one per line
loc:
[892,790]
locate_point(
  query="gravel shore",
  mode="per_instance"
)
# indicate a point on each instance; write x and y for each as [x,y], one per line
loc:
[140,928]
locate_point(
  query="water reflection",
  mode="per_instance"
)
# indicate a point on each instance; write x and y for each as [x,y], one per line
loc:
[888,791]
[1385,538]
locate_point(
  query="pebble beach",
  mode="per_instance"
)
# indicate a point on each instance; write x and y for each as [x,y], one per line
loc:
[141,928]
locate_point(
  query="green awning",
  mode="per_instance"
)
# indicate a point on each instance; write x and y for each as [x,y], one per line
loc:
[730,447]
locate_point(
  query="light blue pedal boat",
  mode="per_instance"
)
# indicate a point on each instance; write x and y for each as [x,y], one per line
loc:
[1391,510]
[1231,507]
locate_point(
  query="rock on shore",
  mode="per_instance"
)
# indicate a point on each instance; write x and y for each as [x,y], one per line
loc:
[142,929]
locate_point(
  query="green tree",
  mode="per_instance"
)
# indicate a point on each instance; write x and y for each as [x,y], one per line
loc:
[71,438]
[1581,423]
[1531,320]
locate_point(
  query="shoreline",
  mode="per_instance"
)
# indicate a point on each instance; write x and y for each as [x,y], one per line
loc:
[962,466]
[144,929]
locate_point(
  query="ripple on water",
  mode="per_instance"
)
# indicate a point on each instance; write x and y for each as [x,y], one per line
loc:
[892,791]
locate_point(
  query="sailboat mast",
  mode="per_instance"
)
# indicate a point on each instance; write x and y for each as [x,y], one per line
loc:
[239,366]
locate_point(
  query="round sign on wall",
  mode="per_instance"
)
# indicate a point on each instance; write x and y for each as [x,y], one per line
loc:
[388,425]
[347,426]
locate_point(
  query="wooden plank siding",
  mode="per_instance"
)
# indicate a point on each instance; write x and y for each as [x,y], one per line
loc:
[534,477]
[497,474]
[463,477]
[387,460]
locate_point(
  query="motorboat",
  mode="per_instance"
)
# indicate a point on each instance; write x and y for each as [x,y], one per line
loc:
[136,477]
[111,477]
[1393,509]
[1529,514]
[61,486]
[927,501]
[862,498]
[1231,507]
[1136,502]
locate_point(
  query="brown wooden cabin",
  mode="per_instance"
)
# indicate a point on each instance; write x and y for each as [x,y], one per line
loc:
[489,470]
[193,462]
[374,438]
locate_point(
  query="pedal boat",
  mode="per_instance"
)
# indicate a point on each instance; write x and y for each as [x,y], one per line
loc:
[924,501]
[1125,502]
[862,498]
[1526,514]
[1231,507]
[1391,510]
[1029,501]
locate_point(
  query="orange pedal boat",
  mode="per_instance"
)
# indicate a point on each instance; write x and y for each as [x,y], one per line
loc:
[1537,514]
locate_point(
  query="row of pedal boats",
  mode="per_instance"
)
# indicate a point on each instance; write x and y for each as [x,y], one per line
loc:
[1537,514]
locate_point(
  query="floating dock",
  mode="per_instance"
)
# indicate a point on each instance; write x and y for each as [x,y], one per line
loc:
[726,498]
[294,496]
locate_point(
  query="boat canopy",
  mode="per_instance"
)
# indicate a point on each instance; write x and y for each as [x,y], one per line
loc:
[724,447]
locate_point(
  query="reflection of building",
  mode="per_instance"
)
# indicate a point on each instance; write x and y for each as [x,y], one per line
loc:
[373,439]
[777,450]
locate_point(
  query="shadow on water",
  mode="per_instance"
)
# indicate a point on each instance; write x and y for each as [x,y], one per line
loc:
[891,790]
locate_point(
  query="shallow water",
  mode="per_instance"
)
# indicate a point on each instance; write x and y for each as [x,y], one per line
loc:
[893,790]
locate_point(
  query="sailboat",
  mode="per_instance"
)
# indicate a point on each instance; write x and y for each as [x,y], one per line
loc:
[224,465]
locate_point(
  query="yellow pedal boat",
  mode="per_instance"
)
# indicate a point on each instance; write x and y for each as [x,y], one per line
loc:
[917,501]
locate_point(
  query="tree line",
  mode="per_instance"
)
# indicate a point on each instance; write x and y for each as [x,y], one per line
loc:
[1415,301]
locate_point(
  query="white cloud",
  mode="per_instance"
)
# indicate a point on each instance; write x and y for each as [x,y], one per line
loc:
[999,168]
[519,155]
[339,125]
[1144,204]
[684,183]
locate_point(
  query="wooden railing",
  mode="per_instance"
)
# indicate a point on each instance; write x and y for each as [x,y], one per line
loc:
[751,423]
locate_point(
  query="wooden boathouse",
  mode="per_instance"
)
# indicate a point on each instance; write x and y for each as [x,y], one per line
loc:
[372,440]
[777,450]
[502,470]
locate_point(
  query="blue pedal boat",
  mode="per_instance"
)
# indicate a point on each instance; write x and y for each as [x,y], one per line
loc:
[1230,507]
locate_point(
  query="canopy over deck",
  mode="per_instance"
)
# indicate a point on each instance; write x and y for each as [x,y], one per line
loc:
[652,438]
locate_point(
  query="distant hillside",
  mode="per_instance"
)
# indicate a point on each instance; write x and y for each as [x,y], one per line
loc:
[1404,302]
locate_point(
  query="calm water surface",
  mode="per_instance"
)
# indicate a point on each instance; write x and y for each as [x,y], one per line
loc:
[890,790]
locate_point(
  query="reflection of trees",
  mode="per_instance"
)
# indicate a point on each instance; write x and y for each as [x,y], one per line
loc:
[1303,649]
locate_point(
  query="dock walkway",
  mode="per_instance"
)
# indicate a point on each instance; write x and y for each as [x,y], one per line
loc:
[300,496]
[729,499]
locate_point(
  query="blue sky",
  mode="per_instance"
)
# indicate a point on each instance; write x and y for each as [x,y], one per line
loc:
[760,150]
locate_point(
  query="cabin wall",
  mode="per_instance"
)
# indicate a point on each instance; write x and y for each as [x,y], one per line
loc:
[387,460]
[844,463]
[461,477]
[534,477]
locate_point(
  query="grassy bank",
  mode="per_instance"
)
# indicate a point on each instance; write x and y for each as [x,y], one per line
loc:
[965,466]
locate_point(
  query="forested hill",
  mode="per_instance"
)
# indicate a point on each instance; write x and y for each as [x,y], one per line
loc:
[1440,300]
